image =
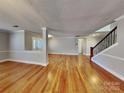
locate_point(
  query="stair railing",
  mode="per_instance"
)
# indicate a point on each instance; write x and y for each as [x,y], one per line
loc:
[107,41]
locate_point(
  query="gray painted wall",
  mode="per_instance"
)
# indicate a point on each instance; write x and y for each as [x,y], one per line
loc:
[17,41]
[4,45]
[4,55]
[28,40]
[4,41]
[63,45]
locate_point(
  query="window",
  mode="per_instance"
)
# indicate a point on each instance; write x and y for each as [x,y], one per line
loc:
[37,43]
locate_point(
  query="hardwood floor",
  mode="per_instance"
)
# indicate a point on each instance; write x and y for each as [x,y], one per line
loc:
[64,74]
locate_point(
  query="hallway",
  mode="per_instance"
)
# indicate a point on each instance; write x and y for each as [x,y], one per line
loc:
[64,74]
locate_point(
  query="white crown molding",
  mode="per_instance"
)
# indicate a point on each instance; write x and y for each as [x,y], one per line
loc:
[4,51]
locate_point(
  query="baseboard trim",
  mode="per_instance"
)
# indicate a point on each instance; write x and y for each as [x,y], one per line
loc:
[109,70]
[24,61]
[4,60]
[112,77]
[64,53]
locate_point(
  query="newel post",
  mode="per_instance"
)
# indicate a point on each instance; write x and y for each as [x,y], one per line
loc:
[91,53]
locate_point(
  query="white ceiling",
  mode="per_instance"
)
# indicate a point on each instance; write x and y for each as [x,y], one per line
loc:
[68,17]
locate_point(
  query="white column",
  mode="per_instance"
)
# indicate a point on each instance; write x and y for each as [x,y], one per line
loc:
[45,47]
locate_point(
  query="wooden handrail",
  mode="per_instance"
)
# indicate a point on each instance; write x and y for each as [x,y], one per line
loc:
[105,37]
[91,53]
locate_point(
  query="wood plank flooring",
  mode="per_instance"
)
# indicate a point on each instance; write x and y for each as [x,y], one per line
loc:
[64,74]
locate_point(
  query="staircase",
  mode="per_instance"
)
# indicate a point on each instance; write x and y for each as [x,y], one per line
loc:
[109,52]
[107,41]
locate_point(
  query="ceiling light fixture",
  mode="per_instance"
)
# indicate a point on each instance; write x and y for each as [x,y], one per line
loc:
[94,35]
[15,26]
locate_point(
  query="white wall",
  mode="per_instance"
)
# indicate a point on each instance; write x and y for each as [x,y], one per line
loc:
[82,46]
[91,41]
[13,48]
[117,51]
[17,41]
[63,45]
[18,52]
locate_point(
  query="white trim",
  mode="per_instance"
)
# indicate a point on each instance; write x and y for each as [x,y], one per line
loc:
[73,37]
[64,53]
[119,18]
[4,51]
[116,57]
[106,50]
[4,60]
[26,51]
[109,70]
[24,61]
[18,31]
[28,62]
